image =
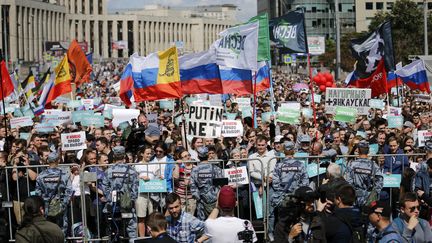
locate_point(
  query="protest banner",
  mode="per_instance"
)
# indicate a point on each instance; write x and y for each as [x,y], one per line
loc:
[423,136]
[243,103]
[237,175]
[395,111]
[317,98]
[346,114]
[307,112]
[24,121]
[291,105]
[287,115]
[74,104]
[204,121]
[62,100]
[24,135]
[376,104]
[347,97]
[93,120]
[189,100]
[392,180]
[77,116]
[121,115]
[73,141]
[152,186]
[373,148]
[166,104]
[88,104]
[232,128]
[115,101]
[266,116]
[57,117]
[44,128]
[395,121]
[152,119]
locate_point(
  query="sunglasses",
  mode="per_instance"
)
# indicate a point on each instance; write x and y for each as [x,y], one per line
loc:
[412,209]
[408,150]
[159,151]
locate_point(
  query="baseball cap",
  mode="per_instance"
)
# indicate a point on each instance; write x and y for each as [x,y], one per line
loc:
[278,138]
[380,207]
[288,145]
[227,198]
[305,193]
[202,152]
[119,150]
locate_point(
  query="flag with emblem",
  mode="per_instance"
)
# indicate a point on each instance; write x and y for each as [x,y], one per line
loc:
[62,81]
[156,76]
[28,85]
[79,64]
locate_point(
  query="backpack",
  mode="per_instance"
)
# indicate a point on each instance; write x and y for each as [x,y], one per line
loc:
[358,233]
[55,205]
[125,199]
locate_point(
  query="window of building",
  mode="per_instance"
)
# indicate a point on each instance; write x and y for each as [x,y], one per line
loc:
[314,9]
[389,6]
[379,5]
[314,23]
[429,5]
[369,5]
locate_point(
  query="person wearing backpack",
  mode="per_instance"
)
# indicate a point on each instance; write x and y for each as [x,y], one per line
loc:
[379,213]
[412,228]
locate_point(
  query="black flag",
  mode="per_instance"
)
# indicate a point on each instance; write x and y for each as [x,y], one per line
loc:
[369,50]
[288,32]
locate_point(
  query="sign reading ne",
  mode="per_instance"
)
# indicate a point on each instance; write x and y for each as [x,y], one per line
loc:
[232,128]
[358,98]
[237,175]
[205,121]
[73,141]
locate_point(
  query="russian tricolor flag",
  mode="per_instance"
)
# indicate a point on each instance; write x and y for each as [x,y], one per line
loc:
[414,75]
[262,77]
[236,81]
[126,85]
[199,73]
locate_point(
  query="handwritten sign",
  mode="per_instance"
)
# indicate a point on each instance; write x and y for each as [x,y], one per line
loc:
[24,121]
[237,175]
[232,128]
[73,141]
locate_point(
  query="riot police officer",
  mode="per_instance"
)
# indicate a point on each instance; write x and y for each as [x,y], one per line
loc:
[364,174]
[120,186]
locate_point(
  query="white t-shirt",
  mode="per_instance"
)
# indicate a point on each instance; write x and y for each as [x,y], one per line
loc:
[76,187]
[225,229]
[146,170]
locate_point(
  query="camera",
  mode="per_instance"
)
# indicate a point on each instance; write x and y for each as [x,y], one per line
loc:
[246,235]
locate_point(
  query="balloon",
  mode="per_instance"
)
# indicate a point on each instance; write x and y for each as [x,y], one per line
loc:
[322,80]
[328,77]
[328,84]
[316,79]
[322,88]
[334,85]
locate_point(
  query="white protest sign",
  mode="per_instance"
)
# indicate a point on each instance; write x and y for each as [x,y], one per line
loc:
[347,97]
[395,111]
[152,119]
[291,105]
[232,129]
[205,121]
[243,103]
[73,141]
[121,115]
[423,136]
[215,100]
[24,121]
[57,117]
[237,175]
[88,104]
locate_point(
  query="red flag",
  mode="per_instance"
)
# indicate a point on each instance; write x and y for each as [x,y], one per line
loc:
[79,65]
[7,84]
[377,81]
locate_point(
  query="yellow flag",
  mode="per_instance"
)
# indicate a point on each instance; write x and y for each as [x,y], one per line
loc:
[62,71]
[168,66]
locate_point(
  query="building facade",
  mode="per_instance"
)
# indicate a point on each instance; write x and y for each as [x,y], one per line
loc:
[28,24]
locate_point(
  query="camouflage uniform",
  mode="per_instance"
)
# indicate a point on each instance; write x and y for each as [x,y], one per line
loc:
[202,188]
[359,174]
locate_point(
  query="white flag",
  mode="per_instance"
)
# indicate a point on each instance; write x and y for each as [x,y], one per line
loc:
[238,47]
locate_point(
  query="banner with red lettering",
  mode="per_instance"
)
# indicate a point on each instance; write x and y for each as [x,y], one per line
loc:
[237,176]
[73,141]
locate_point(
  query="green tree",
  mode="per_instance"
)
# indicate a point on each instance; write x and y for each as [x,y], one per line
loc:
[407,28]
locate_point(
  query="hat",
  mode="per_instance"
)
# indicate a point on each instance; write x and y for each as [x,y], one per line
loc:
[152,131]
[380,207]
[227,198]
[304,90]
[289,145]
[328,138]
[305,193]
[363,144]
[202,152]
[409,124]
[53,157]
[304,139]
[119,150]
[278,138]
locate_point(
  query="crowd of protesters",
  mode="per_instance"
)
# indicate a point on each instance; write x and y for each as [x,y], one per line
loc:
[348,202]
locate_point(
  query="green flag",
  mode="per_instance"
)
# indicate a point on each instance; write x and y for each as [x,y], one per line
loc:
[263,37]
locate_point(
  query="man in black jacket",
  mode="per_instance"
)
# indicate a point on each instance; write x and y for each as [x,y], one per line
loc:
[157,224]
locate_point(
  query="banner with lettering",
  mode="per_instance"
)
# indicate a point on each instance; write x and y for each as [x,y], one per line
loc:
[73,141]
[204,121]
[347,97]
[288,32]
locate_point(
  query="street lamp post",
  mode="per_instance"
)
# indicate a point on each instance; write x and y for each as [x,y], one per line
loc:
[426,51]
[338,54]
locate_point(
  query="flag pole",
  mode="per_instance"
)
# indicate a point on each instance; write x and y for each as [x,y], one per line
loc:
[185,142]
[3,104]
[271,87]
[254,103]
[311,87]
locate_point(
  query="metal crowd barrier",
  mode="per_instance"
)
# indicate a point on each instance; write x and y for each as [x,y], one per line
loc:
[10,204]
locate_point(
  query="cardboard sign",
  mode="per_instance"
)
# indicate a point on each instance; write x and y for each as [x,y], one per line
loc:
[152,186]
[347,97]
[423,136]
[93,120]
[73,141]
[393,180]
[205,121]
[74,104]
[77,116]
[290,105]
[237,175]
[376,104]
[346,114]
[57,117]
[232,129]
[44,128]
[121,115]
[395,121]
[25,121]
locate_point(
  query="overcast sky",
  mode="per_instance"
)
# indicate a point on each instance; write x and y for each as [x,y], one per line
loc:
[247,8]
